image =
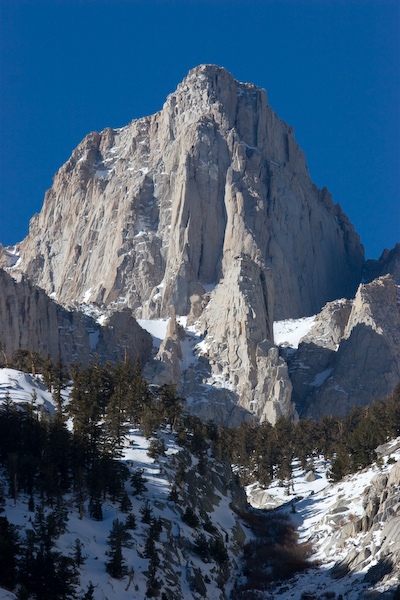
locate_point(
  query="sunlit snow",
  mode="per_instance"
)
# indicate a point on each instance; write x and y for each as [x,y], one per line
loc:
[289,332]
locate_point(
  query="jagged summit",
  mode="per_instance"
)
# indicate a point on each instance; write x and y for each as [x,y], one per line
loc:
[167,197]
[207,206]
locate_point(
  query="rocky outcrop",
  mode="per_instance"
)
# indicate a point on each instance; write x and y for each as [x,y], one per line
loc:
[237,327]
[165,367]
[351,354]
[30,320]
[211,192]
[165,198]
[388,263]
[379,528]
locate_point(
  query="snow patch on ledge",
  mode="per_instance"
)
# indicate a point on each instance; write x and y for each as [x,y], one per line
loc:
[291,331]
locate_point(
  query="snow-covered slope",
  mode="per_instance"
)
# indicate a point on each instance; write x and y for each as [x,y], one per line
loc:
[180,569]
[23,388]
[289,332]
[352,524]
[332,516]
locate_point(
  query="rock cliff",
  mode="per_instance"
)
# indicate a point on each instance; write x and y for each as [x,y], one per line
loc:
[389,262]
[351,354]
[146,214]
[378,528]
[30,320]
[207,206]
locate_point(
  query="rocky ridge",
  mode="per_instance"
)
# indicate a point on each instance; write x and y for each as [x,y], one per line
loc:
[205,206]
[378,527]
[172,199]
[30,320]
[351,354]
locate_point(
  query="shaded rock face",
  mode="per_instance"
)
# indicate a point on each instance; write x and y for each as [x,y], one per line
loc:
[30,320]
[351,354]
[146,214]
[165,367]
[388,263]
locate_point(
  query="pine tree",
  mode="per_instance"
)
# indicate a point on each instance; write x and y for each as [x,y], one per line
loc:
[35,360]
[9,549]
[171,403]
[119,537]
[340,465]
[60,380]
[20,359]
[151,417]
[89,595]
[137,395]
[48,368]
[78,556]
[146,513]
[85,408]
[138,482]
[116,426]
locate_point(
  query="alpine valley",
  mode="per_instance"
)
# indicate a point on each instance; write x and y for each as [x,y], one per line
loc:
[191,320]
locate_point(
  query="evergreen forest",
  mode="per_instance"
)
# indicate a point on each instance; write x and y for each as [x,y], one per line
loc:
[45,458]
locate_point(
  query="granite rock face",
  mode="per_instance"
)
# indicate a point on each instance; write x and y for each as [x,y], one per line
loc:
[380,520]
[146,214]
[351,354]
[388,263]
[30,320]
[206,206]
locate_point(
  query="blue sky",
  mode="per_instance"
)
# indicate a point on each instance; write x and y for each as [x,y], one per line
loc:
[330,68]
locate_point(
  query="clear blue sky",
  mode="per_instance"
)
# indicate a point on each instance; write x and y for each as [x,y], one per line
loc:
[330,68]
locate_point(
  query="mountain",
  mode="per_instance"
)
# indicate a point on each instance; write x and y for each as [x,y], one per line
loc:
[149,213]
[32,321]
[205,214]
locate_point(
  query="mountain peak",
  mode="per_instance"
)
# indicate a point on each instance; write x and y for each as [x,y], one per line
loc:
[158,213]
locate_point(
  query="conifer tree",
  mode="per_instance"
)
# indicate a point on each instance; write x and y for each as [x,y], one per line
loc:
[138,395]
[89,595]
[116,426]
[138,482]
[48,368]
[9,549]
[35,360]
[59,382]
[340,465]
[20,359]
[78,556]
[171,403]
[118,538]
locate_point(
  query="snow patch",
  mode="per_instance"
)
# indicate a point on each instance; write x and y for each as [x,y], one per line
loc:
[156,327]
[291,331]
[321,377]
[102,173]
[86,296]
[22,387]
